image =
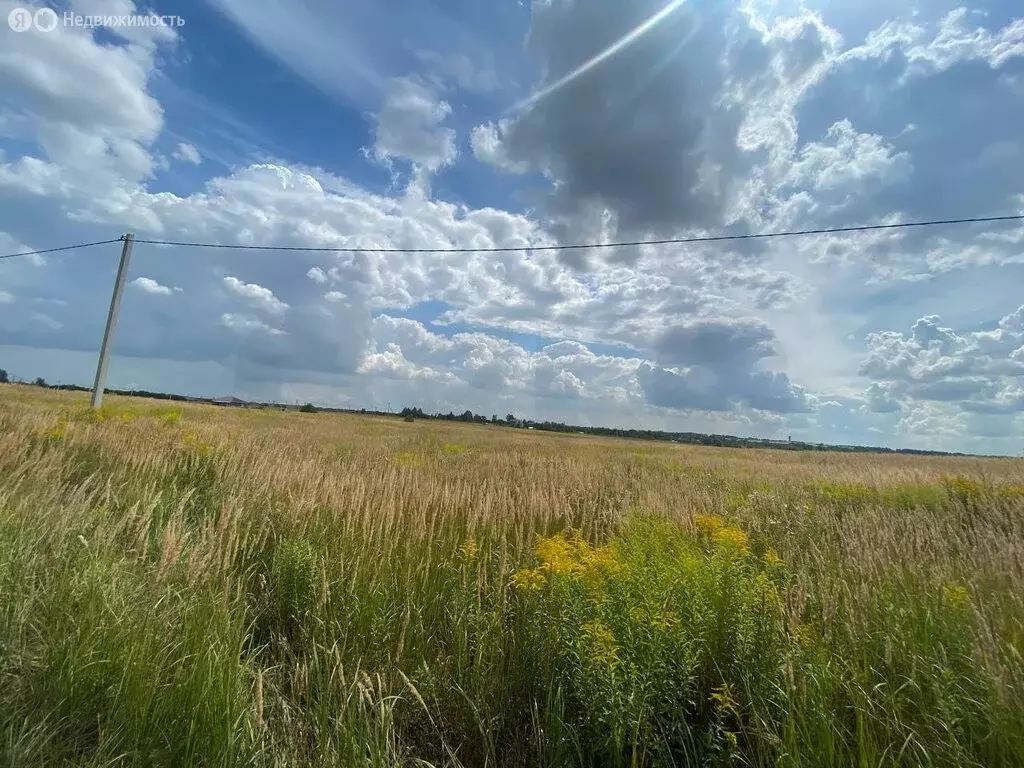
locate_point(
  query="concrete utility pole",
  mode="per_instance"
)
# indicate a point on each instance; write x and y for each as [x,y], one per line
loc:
[108,333]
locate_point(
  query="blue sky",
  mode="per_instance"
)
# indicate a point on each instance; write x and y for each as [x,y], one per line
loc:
[435,125]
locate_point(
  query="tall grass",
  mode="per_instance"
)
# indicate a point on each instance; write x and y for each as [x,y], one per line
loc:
[198,586]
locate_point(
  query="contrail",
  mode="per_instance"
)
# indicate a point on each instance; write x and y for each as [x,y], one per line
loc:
[626,40]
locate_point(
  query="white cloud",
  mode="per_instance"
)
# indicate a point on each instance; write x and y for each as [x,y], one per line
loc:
[488,147]
[955,42]
[460,69]
[96,136]
[247,323]
[317,275]
[148,285]
[46,321]
[405,349]
[258,296]
[979,371]
[6,297]
[188,153]
[409,126]
[847,158]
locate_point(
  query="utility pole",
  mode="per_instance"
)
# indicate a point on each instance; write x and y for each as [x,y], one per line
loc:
[108,333]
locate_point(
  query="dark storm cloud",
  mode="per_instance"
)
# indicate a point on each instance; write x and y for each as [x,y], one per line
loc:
[717,366]
[644,134]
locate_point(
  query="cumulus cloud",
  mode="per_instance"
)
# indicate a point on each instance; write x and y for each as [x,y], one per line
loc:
[846,157]
[96,136]
[258,296]
[247,323]
[488,147]
[410,126]
[715,364]
[406,349]
[658,135]
[188,153]
[979,371]
[148,285]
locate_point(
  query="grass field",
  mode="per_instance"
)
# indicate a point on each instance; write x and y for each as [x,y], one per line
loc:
[202,586]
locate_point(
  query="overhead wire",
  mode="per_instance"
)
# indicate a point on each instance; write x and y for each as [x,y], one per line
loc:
[62,248]
[560,247]
[618,244]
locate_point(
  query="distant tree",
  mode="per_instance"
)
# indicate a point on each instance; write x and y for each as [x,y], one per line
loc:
[510,419]
[308,408]
[40,382]
[494,418]
[3,376]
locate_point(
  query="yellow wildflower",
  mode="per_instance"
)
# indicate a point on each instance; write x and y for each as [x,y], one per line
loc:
[964,489]
[529,580]
[469,549]
[409,459]
[1012,492]
[768,591]
[170,418]
[708,525]
[957,595]
[560,555]
[772,559]
[602,558]
[806,635]
[603,650]
[733,540]
[58,431]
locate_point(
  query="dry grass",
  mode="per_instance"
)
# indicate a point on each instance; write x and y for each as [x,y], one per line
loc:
[196,585]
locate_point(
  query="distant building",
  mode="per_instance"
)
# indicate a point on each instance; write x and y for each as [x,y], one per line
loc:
[230,401]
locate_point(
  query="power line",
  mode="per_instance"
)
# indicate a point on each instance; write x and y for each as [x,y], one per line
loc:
[569,247]
[62,248]
[581,246]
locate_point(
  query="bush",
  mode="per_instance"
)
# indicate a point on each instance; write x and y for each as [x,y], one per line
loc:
[308,408]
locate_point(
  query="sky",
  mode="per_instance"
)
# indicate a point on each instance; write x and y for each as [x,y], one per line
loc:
[376,124]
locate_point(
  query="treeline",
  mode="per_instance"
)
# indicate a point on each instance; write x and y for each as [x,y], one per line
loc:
[688,438]
[511,421]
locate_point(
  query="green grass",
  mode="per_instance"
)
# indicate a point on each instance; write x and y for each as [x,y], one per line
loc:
[218,589]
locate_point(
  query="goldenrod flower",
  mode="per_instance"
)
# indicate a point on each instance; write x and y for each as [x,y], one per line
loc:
[559,555]
[469,549]
[957,595]
[806,635]
[708,525]
[772,559]
[603,649]
[733,540]
[529,580]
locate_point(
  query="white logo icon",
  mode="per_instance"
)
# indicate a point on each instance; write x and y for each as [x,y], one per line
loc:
[46,19]
[20,20]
